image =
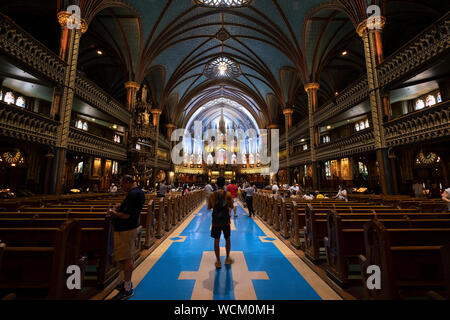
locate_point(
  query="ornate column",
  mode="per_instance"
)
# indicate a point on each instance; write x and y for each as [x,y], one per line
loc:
[311,89]
[370,31]
[156,115]
[132,89]
[170,127]
[63,99]
[287,125]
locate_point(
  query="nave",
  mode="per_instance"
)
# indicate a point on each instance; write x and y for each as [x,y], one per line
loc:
[182,267]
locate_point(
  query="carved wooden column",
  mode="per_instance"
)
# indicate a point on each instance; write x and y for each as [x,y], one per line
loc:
[311,89]
[156,116]
[370,31]
[287,125]
[63,99]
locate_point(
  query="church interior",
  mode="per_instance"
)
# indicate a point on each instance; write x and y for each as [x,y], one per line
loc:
[295,99]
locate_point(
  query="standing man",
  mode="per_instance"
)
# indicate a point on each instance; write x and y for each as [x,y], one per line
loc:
[221,202]
[162,190]
[233,189]
[126,224]
[418,189]
[275,188]
[249,191]
[209,189]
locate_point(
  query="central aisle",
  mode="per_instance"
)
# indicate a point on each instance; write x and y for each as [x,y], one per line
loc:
[182,267]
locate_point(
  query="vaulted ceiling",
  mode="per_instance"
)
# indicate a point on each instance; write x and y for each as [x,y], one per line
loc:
[278,44]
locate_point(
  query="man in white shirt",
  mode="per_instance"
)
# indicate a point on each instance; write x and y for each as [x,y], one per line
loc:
[275,188]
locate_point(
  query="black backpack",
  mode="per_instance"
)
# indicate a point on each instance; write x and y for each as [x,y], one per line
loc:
[220,214]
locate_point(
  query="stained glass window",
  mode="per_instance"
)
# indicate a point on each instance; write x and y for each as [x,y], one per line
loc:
[20,102]
[362,168]
[326,139]
[305,147]
[327,169]
[439,98]
[115,167]
[117,138]
[223,3]
[138,146]
[79,124]
[357,127]
[362,125]
[420,104]
[1,95]
[9,98]
[79,167]
[431,100]
[367,123]
[85,126]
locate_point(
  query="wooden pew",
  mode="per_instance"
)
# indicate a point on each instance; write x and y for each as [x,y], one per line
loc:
[158,209]
[345,240]
[315,229]
[286,214]
[167,213]
[36,259]
[409,259]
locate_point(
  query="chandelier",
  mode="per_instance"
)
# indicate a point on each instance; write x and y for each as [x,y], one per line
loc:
[222,67]
[224,3]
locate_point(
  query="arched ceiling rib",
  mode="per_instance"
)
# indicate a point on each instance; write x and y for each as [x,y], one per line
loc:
[279,45]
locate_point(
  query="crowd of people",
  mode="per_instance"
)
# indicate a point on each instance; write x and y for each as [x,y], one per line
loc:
[297,192]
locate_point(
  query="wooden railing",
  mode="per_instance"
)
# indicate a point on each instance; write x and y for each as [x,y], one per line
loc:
[18,123]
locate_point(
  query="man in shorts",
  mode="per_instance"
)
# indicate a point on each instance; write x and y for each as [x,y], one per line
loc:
[233,189]
[126,225]
[221,202]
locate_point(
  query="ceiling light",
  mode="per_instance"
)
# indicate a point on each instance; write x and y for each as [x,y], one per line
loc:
[344,53]
[100,52]
[222,68]
[114,126]
[328,127]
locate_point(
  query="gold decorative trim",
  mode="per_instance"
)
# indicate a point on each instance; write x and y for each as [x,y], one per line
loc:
[63,18]
[312,86]
[273,126]
[132,84]
[288,111]
[156,111]
[373,23]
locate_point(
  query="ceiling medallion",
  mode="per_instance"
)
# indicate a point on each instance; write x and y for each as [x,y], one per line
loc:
[222,67]
[223,3]
[223,35]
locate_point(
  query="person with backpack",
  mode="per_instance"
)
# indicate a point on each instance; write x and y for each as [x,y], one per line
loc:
[221,202]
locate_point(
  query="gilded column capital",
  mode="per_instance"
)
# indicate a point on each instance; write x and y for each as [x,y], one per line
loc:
[64,19]
[273,126]
[288,111]
[132,85]
[372,23]
[156,112]
[170,126]
[312,86]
